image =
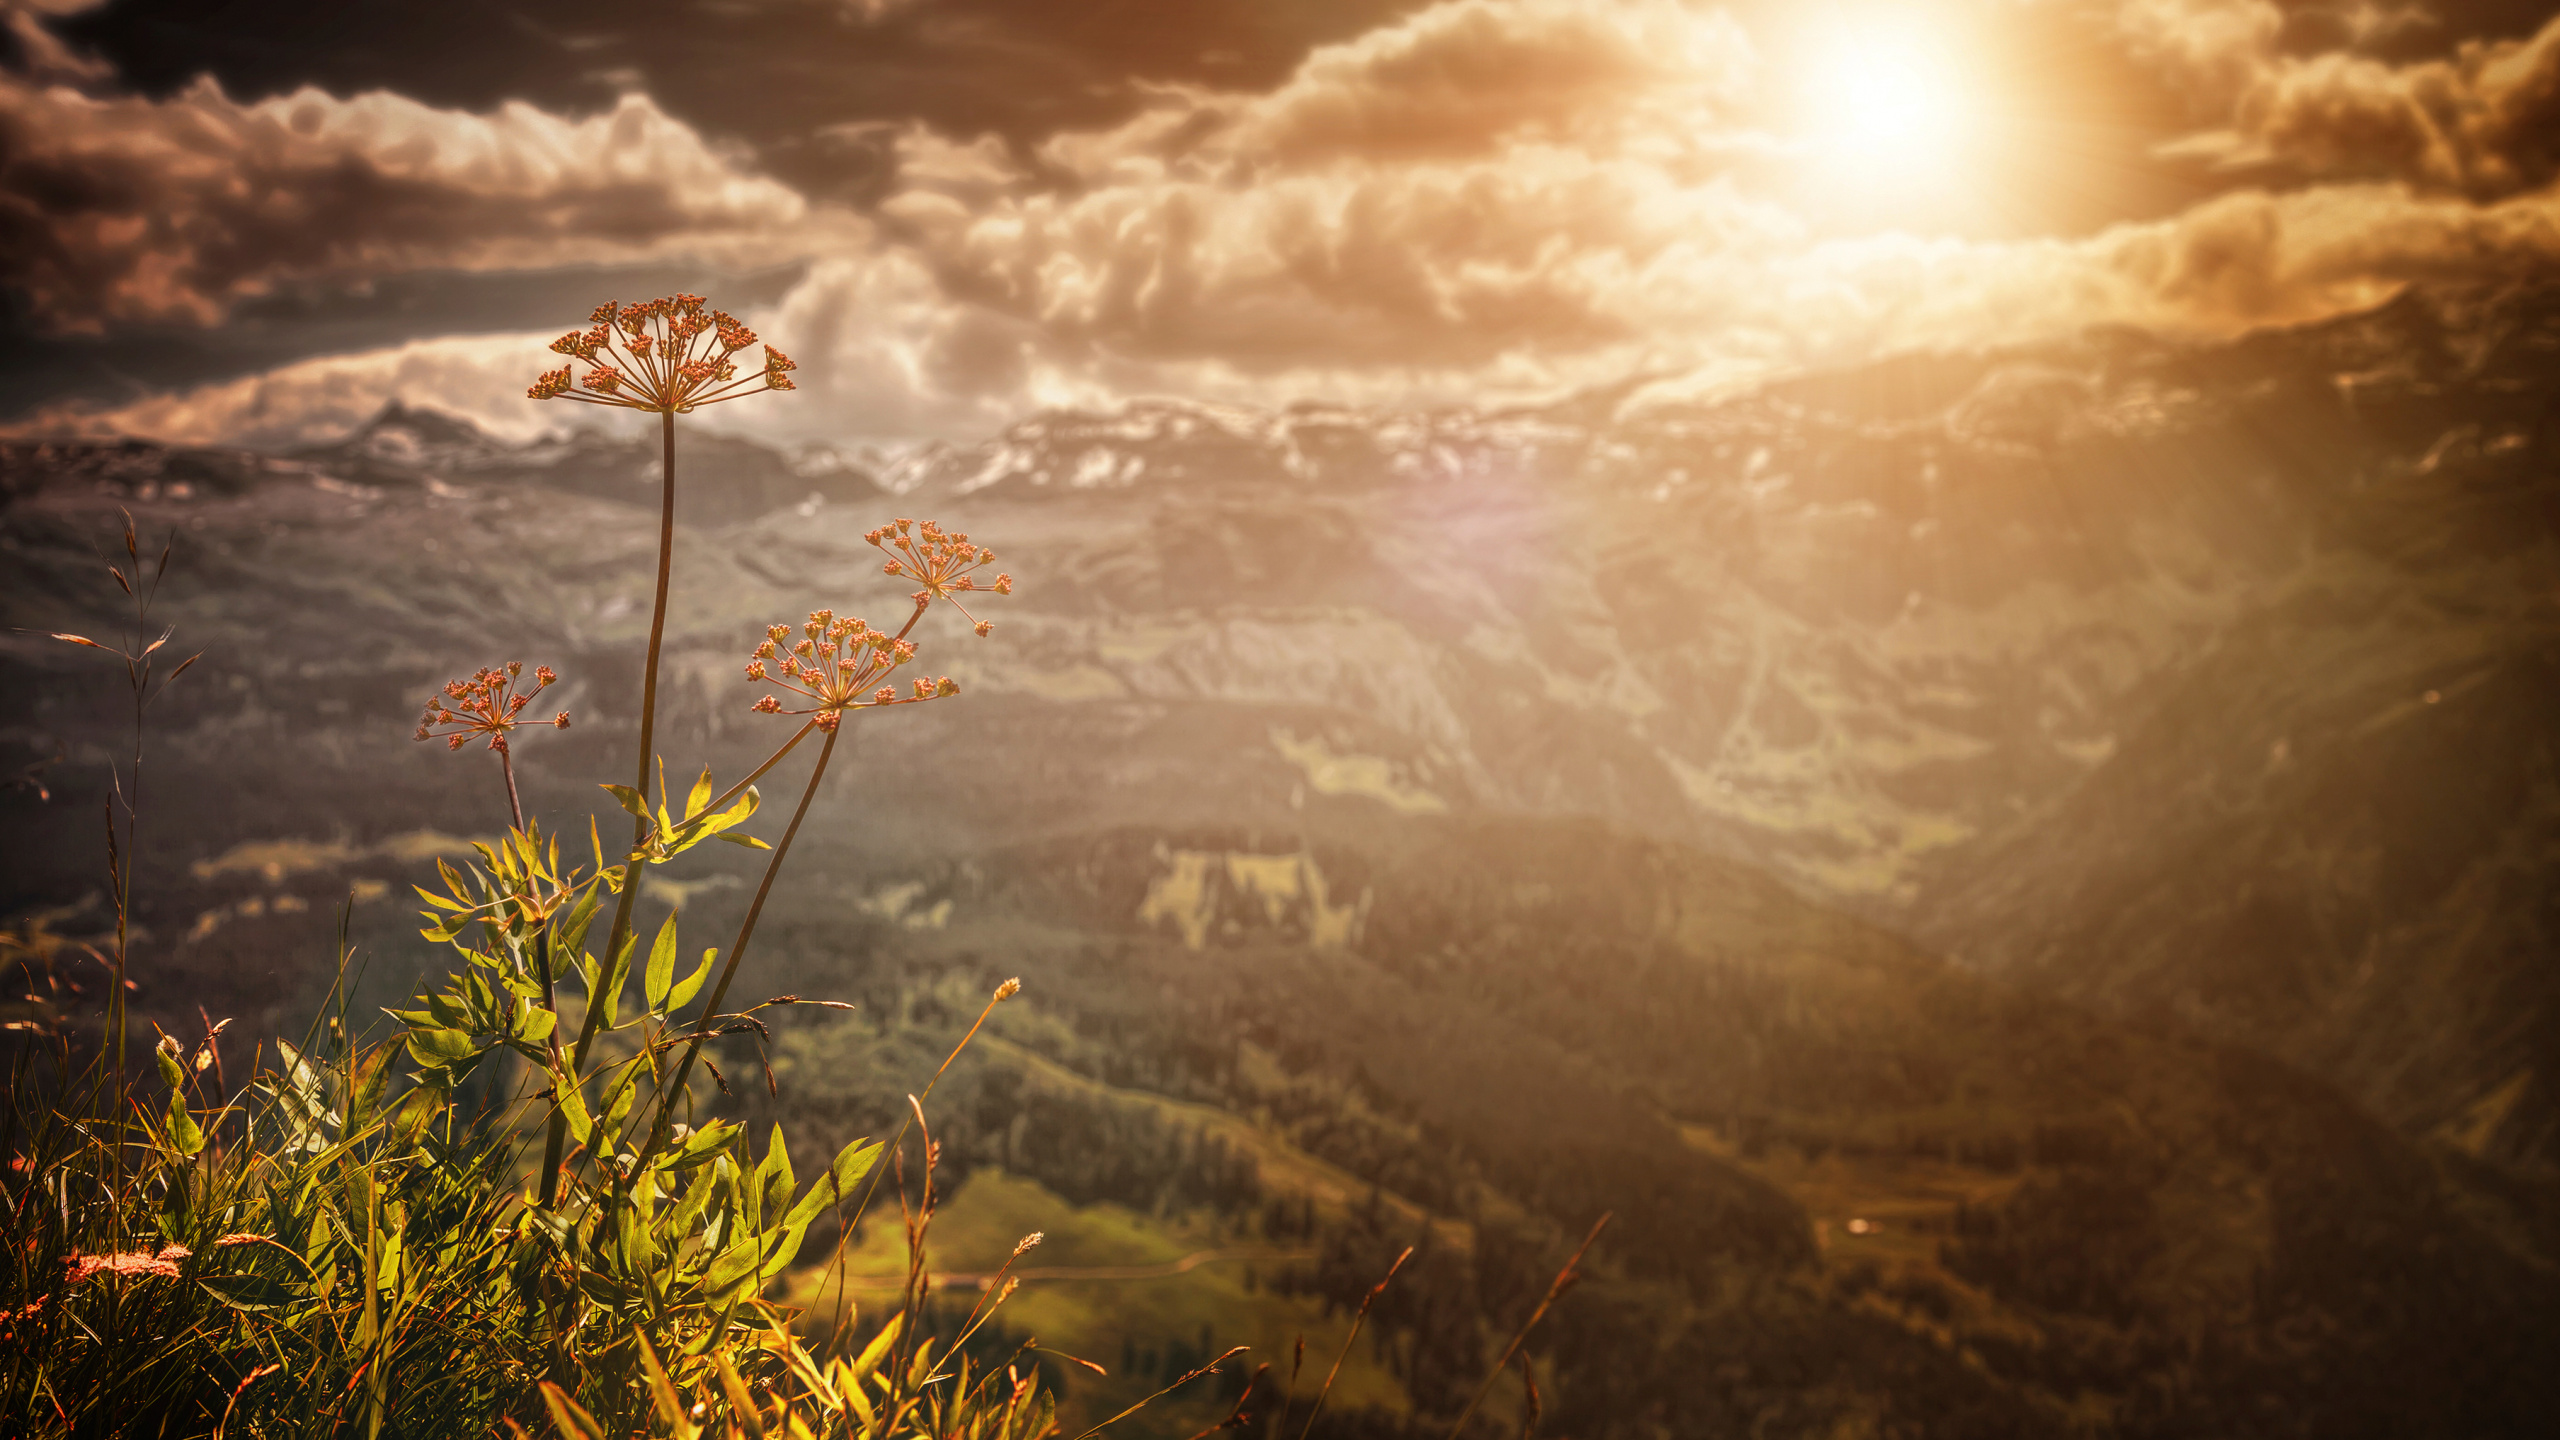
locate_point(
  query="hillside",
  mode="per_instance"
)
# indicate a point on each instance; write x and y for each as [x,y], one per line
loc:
[1473,821]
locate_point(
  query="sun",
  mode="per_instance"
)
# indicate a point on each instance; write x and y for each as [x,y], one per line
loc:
[1884,104]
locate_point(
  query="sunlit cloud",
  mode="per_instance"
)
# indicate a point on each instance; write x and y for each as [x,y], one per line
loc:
[1485,202]
[479,377]
[126,209]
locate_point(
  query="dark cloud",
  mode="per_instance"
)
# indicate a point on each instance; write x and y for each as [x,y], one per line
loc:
[783,76]
[129,210]
[298,319]
[2484,121]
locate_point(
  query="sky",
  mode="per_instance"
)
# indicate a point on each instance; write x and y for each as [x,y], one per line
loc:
[256,223]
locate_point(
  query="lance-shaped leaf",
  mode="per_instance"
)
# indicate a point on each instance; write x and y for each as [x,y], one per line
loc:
[697,1197]
[617,972]
[571,932]
[372,1074]
[624,1092]
[702,827]
[772,1182]
[852,1163]
[700,1147]
[439,901]
[740,1263]
[662,966]
[573,1107]
[691,985]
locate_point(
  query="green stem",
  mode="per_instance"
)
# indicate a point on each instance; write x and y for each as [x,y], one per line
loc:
[737,952]
[555,1142]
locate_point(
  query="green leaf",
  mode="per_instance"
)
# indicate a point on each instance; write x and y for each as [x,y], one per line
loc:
[749,841]
[690,986]
[705,1144]
[569,1418]
[741,811]
[571,932]
[615,976]
[449,1015]
[772,1180]
[701,793]
[170,1070]
[852,1163]
[185,1136]
[697,1200]
[573,1107]
[445,1048]
[533,1023]
[421,1105]
[662,966]
[372,1073]
[703,827]
[740,1262]
[438,901]
[249,1292]
[878,1349]
[630,800]
[639,1249]
[624,1092]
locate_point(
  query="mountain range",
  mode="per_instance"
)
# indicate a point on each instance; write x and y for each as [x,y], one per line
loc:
[2086,815]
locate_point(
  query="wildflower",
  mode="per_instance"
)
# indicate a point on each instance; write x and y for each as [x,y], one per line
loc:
[485,704]
[668,355]
[163,1263]
[943,562]
[837,665]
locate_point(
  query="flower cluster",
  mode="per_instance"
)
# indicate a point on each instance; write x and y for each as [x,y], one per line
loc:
[942,562]
[668,354]
[838,666]
[163,1263]
[486,704]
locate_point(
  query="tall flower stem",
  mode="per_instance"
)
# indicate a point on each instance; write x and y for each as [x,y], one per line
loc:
[737,952]
[555,1143]
[515,806]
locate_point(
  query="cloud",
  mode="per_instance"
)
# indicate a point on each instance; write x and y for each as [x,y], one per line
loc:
[1458,81]
[1425,215]
[479,377]
[41,54]
[2484,122]
[119,210]
[2216,47]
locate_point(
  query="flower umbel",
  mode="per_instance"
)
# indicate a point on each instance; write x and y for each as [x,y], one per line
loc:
[665,355]
[485,704]
[837,665]
[944,563]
